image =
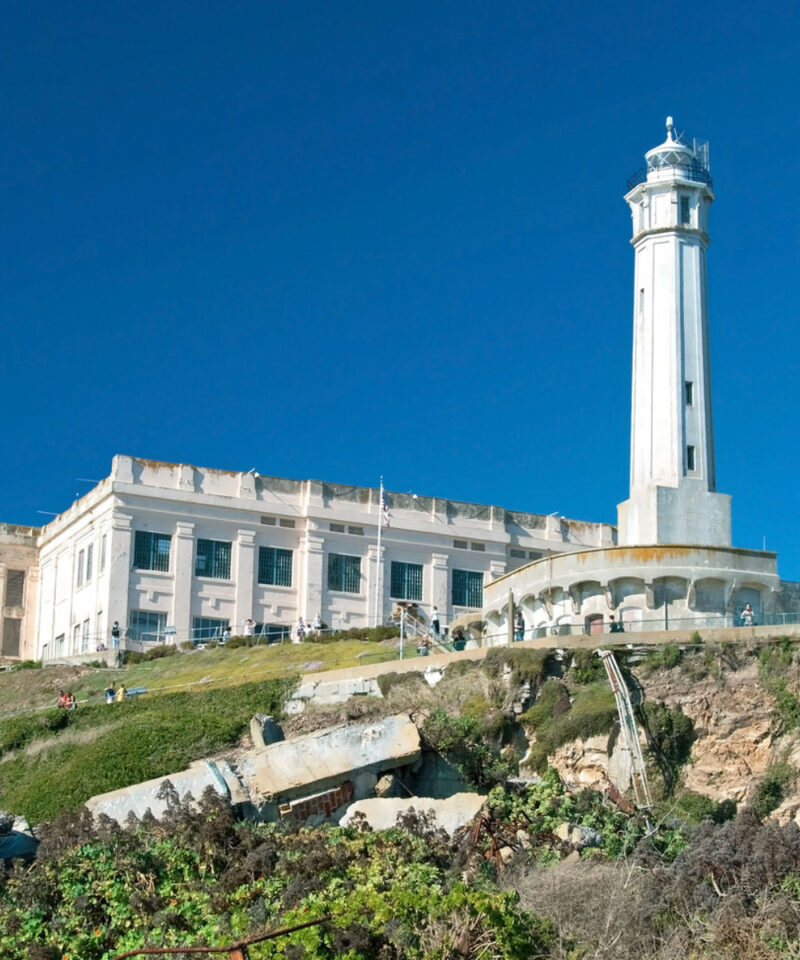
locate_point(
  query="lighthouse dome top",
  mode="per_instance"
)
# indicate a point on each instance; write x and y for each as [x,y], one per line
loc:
[673,157]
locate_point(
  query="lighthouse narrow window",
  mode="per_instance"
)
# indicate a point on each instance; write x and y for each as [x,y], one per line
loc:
[641,304]
[689,393]
[690,458]
[685,217]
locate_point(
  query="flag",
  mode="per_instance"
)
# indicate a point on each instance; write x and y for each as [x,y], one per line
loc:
[384,511]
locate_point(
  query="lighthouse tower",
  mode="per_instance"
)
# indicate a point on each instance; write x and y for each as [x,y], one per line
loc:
[673,498]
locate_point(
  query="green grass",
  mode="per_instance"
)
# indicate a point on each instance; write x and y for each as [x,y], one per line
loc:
[136,740]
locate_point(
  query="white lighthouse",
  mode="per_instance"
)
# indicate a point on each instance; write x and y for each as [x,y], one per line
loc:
[673,498]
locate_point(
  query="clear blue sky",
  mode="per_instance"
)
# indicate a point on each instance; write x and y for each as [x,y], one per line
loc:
[344,240]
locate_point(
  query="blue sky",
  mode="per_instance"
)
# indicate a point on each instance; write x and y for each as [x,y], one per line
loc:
[344,240]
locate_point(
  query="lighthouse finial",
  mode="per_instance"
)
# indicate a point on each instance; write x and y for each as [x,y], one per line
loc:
[670,127]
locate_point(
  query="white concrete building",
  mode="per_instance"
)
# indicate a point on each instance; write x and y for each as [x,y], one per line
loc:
[675,565]
[181,551]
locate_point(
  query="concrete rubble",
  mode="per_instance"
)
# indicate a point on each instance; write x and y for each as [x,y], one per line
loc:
[308,778]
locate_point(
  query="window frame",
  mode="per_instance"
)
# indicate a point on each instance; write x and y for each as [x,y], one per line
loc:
[219,563]
[272,567]
[152,554]
[348,568]
[408,590]
[466,581]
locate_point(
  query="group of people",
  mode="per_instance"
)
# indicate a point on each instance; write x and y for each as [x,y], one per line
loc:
[66,701]
[302,628]
[114,693]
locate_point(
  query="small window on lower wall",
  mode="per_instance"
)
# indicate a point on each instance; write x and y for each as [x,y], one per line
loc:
[406,581]
[467,588]
[519,554]
[213,559]
[208,628]
[344,573]
[690,465]
[147,625]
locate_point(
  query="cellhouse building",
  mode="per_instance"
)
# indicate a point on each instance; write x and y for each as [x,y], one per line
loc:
[173,551]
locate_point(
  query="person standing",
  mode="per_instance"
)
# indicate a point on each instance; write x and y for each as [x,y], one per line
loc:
[435,621]
[110,693]
[748,616]
[519,627]
[301,630]
[115,635]
[248,627]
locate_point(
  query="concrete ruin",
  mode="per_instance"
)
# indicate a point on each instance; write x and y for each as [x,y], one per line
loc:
[308,778]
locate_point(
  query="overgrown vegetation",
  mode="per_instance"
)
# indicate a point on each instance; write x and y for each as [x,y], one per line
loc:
[556,717]
[471,741]
[670,734]
[121,744]
[154,653]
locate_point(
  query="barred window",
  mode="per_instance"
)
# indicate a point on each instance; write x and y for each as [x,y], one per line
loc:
[79,571]
[151,551]
[467,588]
[103,548]
[15,585]
[147,625]
[275,566]
[89,562]
[213,559]
[406,581]
[344,573]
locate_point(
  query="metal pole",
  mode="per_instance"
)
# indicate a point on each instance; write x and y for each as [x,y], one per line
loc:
[402,629]
[378,564]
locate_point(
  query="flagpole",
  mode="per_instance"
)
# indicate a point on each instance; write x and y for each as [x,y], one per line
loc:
[379,565]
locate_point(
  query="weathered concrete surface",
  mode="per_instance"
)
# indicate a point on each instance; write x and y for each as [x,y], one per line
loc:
[338,689]
[320,760]
[140,797]
[451,814]
[265,730]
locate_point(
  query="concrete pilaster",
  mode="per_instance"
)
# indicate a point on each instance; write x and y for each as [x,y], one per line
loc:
[439,580]
[244,578]
[183,570]
[311,596]
[120,560]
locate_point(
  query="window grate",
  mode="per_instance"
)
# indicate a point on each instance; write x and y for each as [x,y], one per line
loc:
[275,566]
[467,588]
[151,551]
[213,559]
[344,573]
[15,587]
[406,581]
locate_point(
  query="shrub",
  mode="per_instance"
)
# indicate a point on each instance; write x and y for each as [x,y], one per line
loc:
[527,666]
[388,681]
[769,793]
[235,642]
[670,734]
[665,657]
[187,645]
[27,665]
[462,740]
[586,667]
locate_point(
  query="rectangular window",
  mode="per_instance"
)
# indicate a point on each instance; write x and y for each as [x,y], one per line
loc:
[213,559]
[76,638]
[11,635]
[406,581]
[641,303]
[275,566]
[79,571]
[208,628]
[517,553]
[271,632]
[467,588]
[147,625]
[287,523]
[461,545]
[269,521]
[15,587]
[689,393]
[103,547]
[151,551]
[344,573]
[690,458]
[685,214]
[85,637]
[58,643]
[337,527]
[480,547]
[357,531]
[535,554]
[89,561]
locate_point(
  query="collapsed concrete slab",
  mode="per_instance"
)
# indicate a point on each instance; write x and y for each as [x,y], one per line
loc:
[141,797]
[322,760]
[450,814]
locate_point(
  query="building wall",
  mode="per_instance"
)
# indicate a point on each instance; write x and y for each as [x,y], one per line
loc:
[312,519]
[18,583]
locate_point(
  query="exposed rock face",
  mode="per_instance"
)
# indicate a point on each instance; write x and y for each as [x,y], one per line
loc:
[587,763]
[732,717]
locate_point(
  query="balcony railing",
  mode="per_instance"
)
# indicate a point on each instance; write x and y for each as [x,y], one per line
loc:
[695,171]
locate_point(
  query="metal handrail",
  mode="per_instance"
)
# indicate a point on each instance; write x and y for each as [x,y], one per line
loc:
[693,171]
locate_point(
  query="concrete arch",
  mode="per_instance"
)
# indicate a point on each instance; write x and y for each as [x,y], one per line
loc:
[622,588]
[710,595]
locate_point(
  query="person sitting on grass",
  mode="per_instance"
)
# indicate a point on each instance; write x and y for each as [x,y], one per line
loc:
[110,693]
[121,692]
[62,699]
[71,701]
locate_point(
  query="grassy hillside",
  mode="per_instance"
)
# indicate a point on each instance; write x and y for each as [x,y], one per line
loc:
[26,689]
[54,760]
